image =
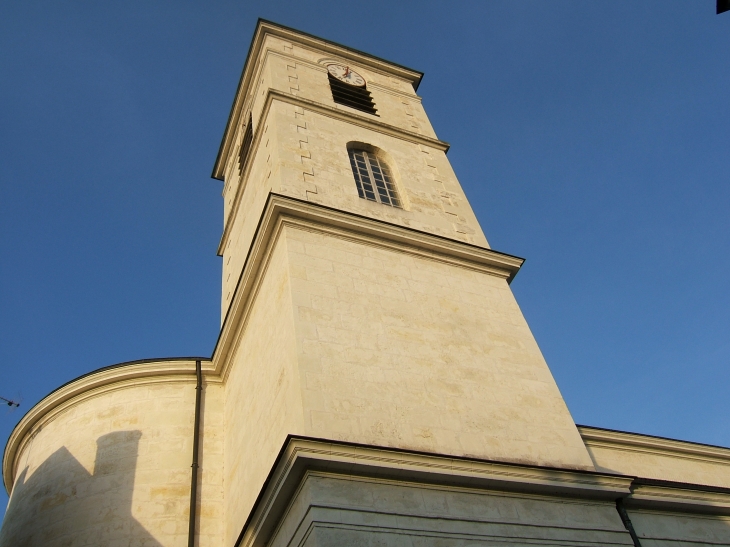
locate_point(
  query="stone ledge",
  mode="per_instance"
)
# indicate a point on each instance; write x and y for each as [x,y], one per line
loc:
[281,211]
[679,497]
[326,110]
[303,455]
[635,442]
[355,118]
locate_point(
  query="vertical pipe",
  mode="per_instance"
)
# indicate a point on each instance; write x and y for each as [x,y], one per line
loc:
[627,521]
[196,441]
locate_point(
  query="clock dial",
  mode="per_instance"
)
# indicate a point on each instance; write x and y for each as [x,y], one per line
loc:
[345,74]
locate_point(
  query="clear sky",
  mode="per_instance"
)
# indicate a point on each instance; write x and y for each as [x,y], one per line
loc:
[591,138]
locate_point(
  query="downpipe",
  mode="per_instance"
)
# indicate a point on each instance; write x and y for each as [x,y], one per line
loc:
[196,442]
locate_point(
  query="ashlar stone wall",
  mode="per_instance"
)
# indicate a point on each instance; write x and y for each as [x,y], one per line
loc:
[263,392]
[404,351]
[111,466]
[300,150]
[352,341]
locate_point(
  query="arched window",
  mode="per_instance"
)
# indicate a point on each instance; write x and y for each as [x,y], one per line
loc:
[373,178]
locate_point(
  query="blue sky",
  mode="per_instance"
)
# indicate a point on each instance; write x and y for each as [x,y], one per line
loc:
[591,138]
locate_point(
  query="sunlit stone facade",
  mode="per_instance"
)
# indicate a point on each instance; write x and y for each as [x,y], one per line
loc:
[374,382]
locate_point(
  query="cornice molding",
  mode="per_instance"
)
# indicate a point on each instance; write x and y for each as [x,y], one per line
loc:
[339,114]
[679,498]
[355,118]
[90,385]
[283,211]
[250,68]
[300,456]
[619,440]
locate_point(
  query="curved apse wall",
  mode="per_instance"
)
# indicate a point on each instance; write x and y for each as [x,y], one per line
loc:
[103,458]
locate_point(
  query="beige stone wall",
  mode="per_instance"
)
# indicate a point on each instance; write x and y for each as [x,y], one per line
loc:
[111,465]
[396,102]
[395,99]
[303,153]
[264,161]
[433,199]
[657,458]
[397,350]
[211,509]
[351,340]
[663,466]
[263,400]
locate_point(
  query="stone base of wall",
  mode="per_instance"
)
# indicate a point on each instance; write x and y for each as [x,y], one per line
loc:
[334,510]
[325,494]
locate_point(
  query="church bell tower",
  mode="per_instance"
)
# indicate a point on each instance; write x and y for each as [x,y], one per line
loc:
[361,301]
[374,383]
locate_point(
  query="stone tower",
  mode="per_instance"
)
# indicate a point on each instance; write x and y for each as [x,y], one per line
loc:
[374,381]
[354,317]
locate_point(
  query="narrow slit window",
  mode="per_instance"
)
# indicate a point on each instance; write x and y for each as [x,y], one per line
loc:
[245,146]
[373,178]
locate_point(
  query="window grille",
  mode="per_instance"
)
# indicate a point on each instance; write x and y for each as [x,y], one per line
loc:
[245,146]
[352,96]
[373,178]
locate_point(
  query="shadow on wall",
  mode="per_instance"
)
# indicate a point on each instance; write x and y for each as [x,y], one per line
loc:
[61,504]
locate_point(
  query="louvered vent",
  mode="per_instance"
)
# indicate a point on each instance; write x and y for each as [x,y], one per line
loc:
[352,96]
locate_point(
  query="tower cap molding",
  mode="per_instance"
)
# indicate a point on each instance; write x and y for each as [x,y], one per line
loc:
[268,28]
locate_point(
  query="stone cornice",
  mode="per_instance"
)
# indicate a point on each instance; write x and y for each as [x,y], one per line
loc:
[283,211]
[264,28]
[351,117]
[303,455]
[620,440]
[95,383]
[368,122]
[679,497]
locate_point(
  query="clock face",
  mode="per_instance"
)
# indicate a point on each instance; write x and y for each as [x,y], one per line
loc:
[344,74]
